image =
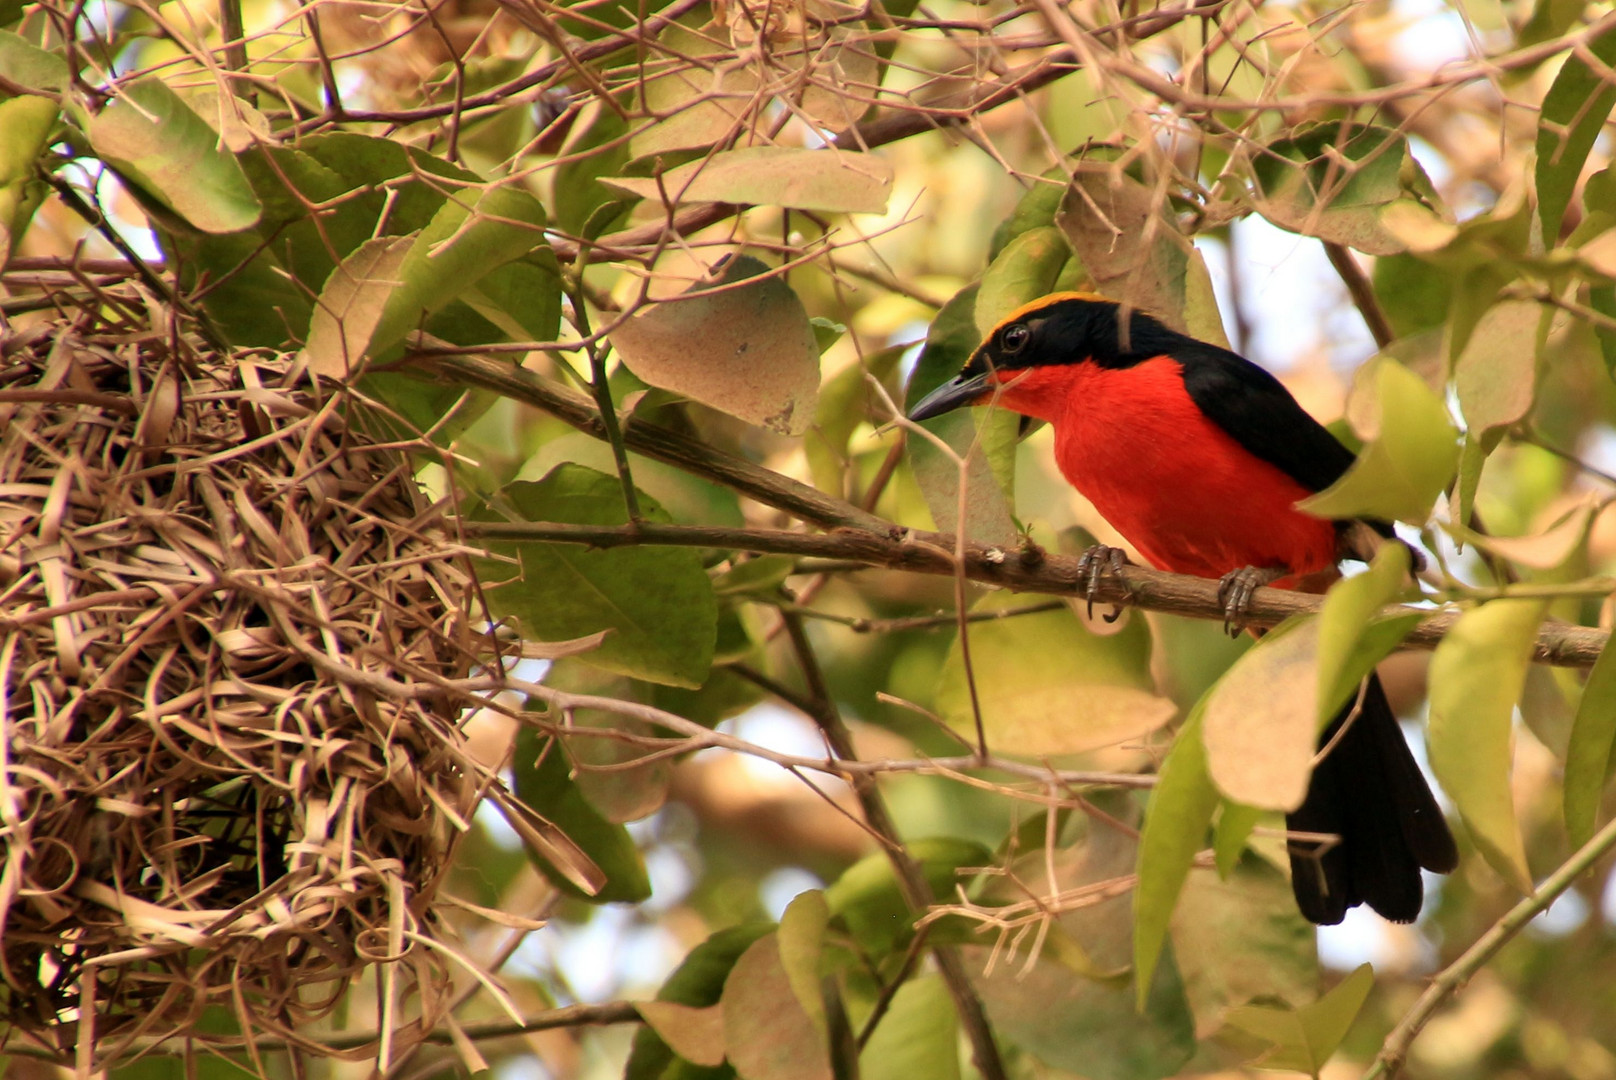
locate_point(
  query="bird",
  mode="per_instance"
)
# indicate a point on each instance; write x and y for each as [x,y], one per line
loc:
[1198,457]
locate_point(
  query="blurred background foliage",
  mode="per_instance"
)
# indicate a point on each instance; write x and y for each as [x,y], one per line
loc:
[1402,207]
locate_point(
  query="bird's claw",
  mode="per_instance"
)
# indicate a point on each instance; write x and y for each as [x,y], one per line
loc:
[1235,592]
[1094,564]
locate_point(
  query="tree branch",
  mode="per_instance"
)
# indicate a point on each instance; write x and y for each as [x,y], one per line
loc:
[614,1012]
[1362,291]
[753,481]
[1027,570]
[1394,1050]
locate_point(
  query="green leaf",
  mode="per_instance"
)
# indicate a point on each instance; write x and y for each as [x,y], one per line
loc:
[543,783]
[1550,19]
[29,66]
[827,332]
[846,400]
[825,180]
[697,1035]
[1181,806]
[1589,756]
[767,1033]
[260,282]
[1602,298]
[1260,722]
[351,305]
[987,436]
[522,298]
[1026,269]
[761,575]
[664,634]
[1304,1039]
[1475,292]
[1496,373]
[618,778]
[26,124]
[757,357]
[1347,651]
[1036,209]
[1090,1027]
[1409,458]
[597,148]
[1331,180]
[427,405]
[684,496]
[472,233]
[1242,938]
[698,982]
[387,287]
[866,898]
[1100,694]
[1232,832]
[918,1038]
[165,151]
[1477,674]
[1413,293]
[1574,112]
[1133,252]
[367,162]
[802,936]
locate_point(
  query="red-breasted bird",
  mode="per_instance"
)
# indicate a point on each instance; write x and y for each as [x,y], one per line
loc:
[1198,457]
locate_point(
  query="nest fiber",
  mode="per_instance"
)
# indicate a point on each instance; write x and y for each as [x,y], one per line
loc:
[231,772]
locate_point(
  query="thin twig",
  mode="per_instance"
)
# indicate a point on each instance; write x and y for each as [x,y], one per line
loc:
[1362,291]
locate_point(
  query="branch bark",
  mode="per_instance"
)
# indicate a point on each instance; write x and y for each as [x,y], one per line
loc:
[766,486]
[1024,570]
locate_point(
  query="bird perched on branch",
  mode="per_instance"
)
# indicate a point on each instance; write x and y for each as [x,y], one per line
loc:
[1198,457]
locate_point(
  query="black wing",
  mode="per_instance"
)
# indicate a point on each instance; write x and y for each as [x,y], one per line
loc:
[1260,414]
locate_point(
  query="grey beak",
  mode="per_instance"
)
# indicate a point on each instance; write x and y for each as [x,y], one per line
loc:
[960,390]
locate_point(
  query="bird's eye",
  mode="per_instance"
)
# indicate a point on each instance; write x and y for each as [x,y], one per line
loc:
[1014,338]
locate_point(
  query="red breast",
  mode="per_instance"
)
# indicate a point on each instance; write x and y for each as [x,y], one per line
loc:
[1182,491]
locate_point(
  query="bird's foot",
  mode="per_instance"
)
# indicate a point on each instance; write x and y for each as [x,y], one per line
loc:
[1235,590]
[1094,564]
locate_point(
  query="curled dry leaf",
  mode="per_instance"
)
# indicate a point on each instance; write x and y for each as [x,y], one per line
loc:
[746,349]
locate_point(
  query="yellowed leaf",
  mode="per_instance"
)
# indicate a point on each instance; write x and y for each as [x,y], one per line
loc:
[744,345]
[1262,721]
[697,1035]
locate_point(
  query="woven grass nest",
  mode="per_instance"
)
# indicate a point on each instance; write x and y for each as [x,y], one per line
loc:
[232,773]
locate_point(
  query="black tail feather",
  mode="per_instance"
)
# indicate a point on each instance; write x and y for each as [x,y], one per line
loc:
[1368,791]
